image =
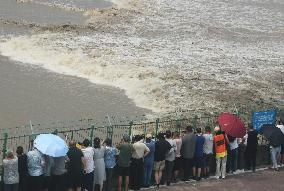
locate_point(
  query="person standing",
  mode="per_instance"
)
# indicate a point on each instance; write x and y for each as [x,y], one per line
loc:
[170,158]
[110,163]
[207,151]
[100,169]
[47,173]
[123,163]
[136,173]
[11,174]
[161,148]
[88,153]
[75,167]
[251,148]
[58,174]
[221,153]
[36,163]
[275,151]
[149,161]
[281,127]
[178,159]
[187,151]
[23,168]
[233,143]
[241,153]
[198,155]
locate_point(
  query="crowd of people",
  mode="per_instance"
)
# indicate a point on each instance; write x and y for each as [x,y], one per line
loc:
[143,161]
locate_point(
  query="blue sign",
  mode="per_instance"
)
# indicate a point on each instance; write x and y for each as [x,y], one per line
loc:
[263,117]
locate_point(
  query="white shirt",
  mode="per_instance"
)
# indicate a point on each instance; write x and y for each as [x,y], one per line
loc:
[234,144]
[208,144]
[89,158]
[171,155]
[281,127]
[178,144]
[140,149]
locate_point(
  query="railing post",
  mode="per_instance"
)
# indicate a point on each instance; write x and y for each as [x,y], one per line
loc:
[72,135]
[178,125]
[4,149]
[195,122]
[110,132]
[145,129]
[92,133]
[157,127]
[130,128]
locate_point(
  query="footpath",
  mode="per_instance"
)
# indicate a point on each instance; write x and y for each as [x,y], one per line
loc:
[262,180]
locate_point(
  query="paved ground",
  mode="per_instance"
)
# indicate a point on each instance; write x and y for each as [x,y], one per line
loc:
[267,180]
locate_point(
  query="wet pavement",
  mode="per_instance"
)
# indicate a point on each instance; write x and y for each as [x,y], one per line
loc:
[266,180]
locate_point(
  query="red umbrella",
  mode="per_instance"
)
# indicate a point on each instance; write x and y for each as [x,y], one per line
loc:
[232,125]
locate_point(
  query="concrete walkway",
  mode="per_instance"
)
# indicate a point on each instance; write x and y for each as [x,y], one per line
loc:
[263,180]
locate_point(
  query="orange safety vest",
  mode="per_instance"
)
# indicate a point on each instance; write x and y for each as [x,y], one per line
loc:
[220,146]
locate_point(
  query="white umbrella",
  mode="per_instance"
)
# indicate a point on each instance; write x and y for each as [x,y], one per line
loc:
[51,145]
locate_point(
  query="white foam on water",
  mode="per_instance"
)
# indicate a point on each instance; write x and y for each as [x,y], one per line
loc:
[139,82]
[79,5]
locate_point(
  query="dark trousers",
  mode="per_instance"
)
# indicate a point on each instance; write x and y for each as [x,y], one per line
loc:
[89,181]
[241,157]
[169,171]
[187,167]
[58,182]
[136,174]
[11,187]
[36,183]
[109,175]
[251,159]
[234,160]
[23,181]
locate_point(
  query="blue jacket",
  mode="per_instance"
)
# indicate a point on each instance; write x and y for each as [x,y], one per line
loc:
[149,159]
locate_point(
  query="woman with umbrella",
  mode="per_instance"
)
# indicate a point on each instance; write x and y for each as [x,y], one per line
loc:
[276,138]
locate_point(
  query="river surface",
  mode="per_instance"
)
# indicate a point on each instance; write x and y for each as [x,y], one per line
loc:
[72,58]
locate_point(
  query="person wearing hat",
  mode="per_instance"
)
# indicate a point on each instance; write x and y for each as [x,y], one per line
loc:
[149,160]
[123,163]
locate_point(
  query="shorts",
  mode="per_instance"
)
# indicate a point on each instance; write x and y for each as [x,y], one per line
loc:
[159,165]
[122,171]
[198,162]
[75,180]
[208,160]
[178,163]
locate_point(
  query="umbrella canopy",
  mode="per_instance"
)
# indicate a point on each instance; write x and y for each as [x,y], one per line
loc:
[51,145]
[273,134]
[232,125]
